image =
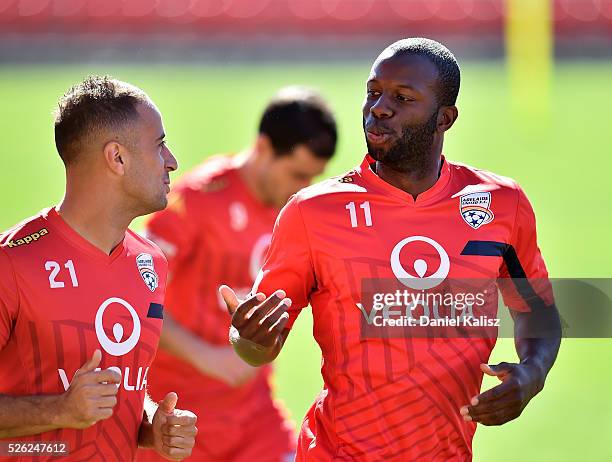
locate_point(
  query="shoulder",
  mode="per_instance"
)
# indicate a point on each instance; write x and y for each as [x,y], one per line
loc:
[139,244]
[213,175]
[203,186]
[466,173]
[332,188]
[28,233]
[468,180]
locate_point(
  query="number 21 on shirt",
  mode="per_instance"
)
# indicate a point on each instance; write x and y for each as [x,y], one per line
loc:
[55,267]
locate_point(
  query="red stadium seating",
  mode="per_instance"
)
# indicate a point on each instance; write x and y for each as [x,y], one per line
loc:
[244,17]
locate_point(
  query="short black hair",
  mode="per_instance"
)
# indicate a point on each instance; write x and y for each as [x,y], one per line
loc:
[96,104]
[449,74]
[299,116]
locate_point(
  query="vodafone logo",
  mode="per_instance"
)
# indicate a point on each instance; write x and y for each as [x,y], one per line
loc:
[420,266]
[117,347]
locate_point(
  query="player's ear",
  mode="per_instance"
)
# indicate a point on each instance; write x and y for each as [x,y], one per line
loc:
[114,157]
[447,115]
[263,147]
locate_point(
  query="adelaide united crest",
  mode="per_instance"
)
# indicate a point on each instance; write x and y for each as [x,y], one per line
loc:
[475,209]
[146,267]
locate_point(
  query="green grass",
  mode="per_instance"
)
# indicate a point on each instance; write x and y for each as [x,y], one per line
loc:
[560,156]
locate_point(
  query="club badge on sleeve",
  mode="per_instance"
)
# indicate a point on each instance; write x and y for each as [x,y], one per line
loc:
[146,267]
[475,209]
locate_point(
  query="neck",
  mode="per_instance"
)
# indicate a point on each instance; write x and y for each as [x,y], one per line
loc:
[414,183]
[92,211]
[249,172]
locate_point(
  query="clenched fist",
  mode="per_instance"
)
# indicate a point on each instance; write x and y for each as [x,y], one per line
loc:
[174,430]
[91,397]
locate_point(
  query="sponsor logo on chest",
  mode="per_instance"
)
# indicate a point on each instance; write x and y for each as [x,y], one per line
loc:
[133,377]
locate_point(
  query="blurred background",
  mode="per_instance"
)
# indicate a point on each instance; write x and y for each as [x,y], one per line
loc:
[534,105]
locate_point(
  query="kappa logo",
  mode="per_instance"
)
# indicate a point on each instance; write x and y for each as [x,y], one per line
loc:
[348,177]
[33,237]
[420,266]
[475,209]
[117,347]
[146,267]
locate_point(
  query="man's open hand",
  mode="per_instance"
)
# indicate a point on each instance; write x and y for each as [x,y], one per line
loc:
[506,401]
[174,430]
[258,319]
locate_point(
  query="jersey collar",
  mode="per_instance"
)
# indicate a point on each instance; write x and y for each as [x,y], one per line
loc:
[425,197]
[74,238]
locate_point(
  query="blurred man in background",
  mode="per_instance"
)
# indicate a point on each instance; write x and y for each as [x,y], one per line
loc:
[217,230]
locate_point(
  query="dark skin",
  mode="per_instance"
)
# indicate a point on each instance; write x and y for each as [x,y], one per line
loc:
[401,91]
[401,97]
[522,381]
[260,323]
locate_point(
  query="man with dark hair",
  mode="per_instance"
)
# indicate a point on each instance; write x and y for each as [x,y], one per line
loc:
[217,230]
[74,280]
[449,74]
[370,249]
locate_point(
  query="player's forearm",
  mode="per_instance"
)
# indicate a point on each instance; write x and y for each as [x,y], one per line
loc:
[182,343]
[538,338]
[29,415]
[538,352]
[253,355]
[145,433]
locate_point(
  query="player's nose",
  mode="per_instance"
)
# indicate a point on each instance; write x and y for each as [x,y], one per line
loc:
[171,163]
[380,109]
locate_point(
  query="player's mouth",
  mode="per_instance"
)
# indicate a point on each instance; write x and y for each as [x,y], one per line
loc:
[376,136]
[167,184]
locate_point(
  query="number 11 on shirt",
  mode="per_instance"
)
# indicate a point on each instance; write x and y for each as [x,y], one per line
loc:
[353,212]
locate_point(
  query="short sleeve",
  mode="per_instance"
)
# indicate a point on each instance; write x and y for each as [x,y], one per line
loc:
[174,229]
[288,265]
[9,299]
[524,282]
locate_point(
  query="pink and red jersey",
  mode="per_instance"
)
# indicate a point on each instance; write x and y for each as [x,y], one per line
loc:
[396,398]
[61,298]
[215,232]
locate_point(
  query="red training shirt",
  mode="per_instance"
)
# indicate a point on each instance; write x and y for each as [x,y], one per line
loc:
[396,398]
[61,298]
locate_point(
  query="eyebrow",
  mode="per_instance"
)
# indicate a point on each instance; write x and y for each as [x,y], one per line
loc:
[407,87]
